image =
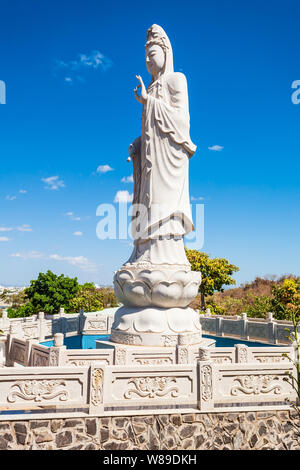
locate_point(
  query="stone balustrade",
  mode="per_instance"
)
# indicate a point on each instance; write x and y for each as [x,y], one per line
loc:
[43,326]
[242,327]
[52,381]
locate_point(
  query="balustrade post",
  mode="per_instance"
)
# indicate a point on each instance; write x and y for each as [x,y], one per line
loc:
[81,320]
[8,362]
[110,320]
[206,380]
[242,353]
[272,330]
[2,351]
[219,326]
[244,323]
[62,322]
[58,352]
[41,318]
[27,355]
[5,322]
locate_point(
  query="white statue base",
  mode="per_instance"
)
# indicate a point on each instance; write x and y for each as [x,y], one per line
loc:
[154,326]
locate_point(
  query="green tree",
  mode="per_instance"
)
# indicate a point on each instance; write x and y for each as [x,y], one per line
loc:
[49,292]
[259,307]
[216,272]
[286,299]
[87,298]
[91,299]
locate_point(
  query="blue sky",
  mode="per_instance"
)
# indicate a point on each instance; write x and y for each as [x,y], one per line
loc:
[69,68]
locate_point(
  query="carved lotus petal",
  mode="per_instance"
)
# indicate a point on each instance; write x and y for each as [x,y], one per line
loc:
[163,292]
[118,290]
[181,276]
[196,276]
[150,323]
[152,277]
[124,275]
[179,322]
[190,291]
[137,293]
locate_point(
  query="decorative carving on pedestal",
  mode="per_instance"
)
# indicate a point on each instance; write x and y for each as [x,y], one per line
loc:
[97,386]
[206,382]
[18,353]
[120,356]
[183,355]
[120,337]
[271,359]
[152,387]
[38,390]
[96,325]
[54,357]
[40,360]
[30,332]
[256,384]
[153,361]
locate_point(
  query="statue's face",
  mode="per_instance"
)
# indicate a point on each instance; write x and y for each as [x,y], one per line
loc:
[155,59]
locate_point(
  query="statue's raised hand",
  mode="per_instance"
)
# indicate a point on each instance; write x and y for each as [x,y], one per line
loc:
[142,98]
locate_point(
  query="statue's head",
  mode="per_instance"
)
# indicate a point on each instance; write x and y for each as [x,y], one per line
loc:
[158,51]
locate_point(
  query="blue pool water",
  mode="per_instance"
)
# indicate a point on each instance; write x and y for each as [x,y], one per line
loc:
[89,341]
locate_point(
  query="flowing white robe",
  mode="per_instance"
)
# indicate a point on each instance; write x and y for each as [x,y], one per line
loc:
[161,170]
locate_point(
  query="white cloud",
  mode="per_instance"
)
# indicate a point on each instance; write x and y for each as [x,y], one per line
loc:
[10,198]
[123,196]
[28,255]
[23,191]
[4,239]
[72,69]
[24,228]
[6,229]
[104,169]
[53,183]
[216,148]
[79,261]
[127,179]
[72,216]
[78,234]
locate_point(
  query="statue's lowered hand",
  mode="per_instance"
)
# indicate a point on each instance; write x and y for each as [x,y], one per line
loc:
[142,98]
